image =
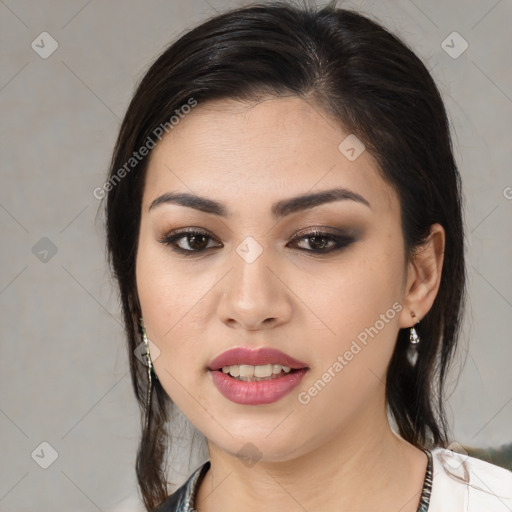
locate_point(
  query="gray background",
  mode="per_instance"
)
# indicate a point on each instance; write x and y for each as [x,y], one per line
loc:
[63,367]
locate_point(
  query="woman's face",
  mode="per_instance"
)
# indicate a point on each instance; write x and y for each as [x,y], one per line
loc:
[257,276]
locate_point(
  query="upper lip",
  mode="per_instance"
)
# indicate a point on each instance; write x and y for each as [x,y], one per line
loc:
[255,357]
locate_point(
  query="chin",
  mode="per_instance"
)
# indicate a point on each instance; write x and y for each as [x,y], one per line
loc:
[254,448]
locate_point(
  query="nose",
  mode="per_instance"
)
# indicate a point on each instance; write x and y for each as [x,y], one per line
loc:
[254,295]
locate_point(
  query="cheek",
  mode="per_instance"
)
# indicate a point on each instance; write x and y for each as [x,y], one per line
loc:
[168,289]
[347,298]
[358,304]
[351,362]
[172,298]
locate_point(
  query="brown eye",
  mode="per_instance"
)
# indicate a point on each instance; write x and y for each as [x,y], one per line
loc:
[322,242]
[187,241]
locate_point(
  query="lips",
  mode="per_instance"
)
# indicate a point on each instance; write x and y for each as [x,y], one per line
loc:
[256,392]
[254,357]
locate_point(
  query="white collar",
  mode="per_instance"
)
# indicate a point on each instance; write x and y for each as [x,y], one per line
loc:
[466,484]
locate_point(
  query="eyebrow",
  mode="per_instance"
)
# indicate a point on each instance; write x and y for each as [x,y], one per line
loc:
[279,209]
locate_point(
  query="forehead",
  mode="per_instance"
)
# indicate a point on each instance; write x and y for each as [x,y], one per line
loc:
[259,151]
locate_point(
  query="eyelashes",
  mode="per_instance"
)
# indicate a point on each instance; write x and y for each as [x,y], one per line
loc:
[192,237]
[198,241]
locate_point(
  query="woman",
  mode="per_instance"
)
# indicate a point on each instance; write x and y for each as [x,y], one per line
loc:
[284,223]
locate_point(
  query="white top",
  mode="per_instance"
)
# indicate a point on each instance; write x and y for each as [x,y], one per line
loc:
[461,483]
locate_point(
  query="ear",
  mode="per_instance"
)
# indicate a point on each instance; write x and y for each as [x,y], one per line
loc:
[423,277]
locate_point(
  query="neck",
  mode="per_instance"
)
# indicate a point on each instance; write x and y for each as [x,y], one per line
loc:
[365,466]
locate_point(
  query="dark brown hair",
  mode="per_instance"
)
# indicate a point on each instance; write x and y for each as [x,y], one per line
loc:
[377,88]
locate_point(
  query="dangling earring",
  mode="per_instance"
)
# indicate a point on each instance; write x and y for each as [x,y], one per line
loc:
[149,363]
[412,350]
[413,336]
[150,370]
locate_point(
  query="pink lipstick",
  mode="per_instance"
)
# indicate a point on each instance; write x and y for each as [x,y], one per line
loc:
[256,376]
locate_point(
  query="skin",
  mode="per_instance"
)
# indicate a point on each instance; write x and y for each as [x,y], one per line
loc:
[250,155]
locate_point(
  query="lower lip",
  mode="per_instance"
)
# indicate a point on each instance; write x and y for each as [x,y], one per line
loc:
[257,392]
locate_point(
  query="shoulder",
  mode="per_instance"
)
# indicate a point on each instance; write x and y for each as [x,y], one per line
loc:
[182,500]
[461,482]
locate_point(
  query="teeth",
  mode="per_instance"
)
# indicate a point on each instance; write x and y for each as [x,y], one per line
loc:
[246,370]
[249,372]
[264,370]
